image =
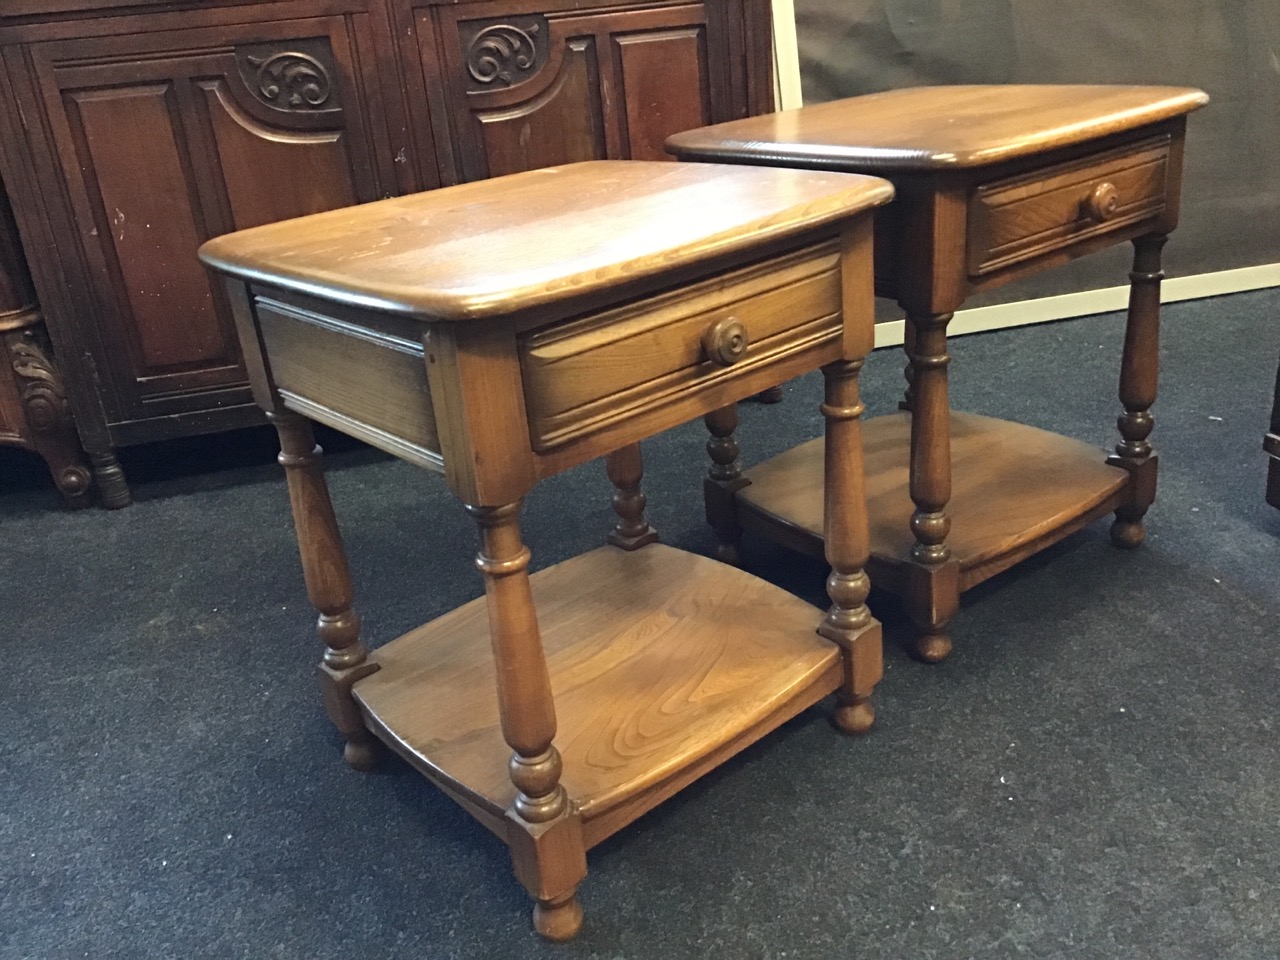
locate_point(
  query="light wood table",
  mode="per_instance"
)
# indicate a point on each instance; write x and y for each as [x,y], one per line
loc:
[501,332]
[993,183]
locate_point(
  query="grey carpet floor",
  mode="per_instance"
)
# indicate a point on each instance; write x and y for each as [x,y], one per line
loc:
[1094,773]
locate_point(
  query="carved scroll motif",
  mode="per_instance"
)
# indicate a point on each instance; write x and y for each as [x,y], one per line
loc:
[292,79]
[43,397]
[504,52]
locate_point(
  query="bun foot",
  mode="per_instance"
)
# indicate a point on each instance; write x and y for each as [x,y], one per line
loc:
[1128,534]
[558,921]
[855,718]
[772,395]
[727,553]
[362,756]
[933,647]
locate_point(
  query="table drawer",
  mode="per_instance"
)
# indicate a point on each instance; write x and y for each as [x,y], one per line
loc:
[589,373]
[1027,216]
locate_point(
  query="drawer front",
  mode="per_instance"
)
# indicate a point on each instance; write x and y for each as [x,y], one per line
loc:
[1030,215]
[589,373]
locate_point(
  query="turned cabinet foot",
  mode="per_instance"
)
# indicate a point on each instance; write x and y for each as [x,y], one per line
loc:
[558,921]
[45,425]
[772,395]
[113,490]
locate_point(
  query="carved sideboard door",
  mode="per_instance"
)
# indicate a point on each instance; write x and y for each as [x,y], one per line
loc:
[133,130]
[534,84]
[162,140]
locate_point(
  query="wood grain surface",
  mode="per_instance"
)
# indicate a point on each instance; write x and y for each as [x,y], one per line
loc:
[1012,486]
[480,250]
[662,663]
[929,128]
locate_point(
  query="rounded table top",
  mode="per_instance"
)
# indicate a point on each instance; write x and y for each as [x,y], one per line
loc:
[494,247]
[932,128]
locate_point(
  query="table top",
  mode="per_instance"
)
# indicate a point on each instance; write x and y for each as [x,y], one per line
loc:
[492,247]
[932,128]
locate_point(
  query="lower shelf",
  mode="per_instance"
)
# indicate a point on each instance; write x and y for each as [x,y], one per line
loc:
[1015,490]
[663,664]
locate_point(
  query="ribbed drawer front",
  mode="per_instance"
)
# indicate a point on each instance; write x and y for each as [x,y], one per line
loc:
[588,373]
[1027,216]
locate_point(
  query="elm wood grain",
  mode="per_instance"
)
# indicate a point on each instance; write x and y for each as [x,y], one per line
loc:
[185,120]
[1017,489]
[508,246]
[659,661]
[940,128]
[993,183]
[480,407]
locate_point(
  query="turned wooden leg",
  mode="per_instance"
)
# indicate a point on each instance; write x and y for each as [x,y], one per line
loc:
[908,348]
[723,479]
[108,477]
[771,395]
[50,429]
[1139,369]
[544,832]
[324,566]
[848,622]
[626,469]
[932,589]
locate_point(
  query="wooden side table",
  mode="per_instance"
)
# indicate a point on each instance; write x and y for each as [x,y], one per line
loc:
[501,332]
[993,183]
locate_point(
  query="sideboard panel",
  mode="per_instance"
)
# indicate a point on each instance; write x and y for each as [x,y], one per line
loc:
[650,64]
[166,139]
[548,83]
[559,123]
[136,234]
[133,130]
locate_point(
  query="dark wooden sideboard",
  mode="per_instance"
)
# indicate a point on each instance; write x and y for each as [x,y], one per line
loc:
[132,132]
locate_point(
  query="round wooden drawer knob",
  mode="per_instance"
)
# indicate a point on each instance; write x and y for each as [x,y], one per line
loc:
[725,342]
[1103,202]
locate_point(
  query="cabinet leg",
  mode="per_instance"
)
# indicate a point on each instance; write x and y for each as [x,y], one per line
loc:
[544,833]
[1139,370]
[928,584]
[848,622]
[50,429]
[626,469]
[723,480]
[108,477]
[324,566]
[770,395]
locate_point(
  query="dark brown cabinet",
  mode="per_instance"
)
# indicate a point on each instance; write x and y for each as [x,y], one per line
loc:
[535,89]
[131,137]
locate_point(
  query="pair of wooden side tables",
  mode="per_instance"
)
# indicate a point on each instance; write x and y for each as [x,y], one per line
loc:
[501,332]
